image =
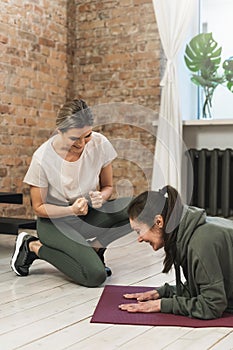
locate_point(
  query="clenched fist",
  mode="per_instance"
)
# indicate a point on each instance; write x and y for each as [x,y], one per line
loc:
[80,207]
[96,199]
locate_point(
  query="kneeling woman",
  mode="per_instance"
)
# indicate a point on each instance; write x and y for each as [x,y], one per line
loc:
[202,246]
[70,178]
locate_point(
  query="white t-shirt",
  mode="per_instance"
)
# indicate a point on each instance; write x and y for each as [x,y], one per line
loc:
[66,181]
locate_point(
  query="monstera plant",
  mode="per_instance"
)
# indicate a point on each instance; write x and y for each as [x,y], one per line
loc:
[203,58]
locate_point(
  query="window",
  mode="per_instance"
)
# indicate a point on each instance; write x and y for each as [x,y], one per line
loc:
[211,16]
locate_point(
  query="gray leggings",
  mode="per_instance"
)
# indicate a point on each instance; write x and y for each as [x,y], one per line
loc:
[65,246]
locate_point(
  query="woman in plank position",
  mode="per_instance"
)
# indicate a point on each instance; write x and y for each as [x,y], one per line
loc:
[201,246]
[70,178]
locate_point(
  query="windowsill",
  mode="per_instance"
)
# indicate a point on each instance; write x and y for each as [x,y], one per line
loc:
[204,122]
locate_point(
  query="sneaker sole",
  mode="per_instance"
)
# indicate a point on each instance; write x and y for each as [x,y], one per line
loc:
[18,244]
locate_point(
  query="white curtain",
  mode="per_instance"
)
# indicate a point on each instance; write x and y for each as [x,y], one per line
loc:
[173,17]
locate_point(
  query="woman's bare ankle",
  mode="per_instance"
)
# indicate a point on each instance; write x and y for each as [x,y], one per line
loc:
[34,246]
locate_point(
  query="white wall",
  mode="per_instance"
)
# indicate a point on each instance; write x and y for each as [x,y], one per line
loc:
[218,17]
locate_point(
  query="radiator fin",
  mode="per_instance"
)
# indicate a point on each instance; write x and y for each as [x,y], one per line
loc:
[213,180]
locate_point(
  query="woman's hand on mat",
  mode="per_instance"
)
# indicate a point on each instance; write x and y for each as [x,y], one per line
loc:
[142,306]
[96,199]
[80,207]
[149,295]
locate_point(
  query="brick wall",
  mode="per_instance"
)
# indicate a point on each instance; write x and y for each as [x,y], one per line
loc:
[33,84]
[50,51]
[118,52]
[118,60]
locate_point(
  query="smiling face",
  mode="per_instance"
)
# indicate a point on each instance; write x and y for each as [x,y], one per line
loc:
[74,140]
[152,235]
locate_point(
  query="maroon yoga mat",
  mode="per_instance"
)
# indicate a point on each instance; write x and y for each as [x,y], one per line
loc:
[107,312]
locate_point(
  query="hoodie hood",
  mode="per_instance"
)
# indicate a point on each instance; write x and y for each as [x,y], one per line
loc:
[192,218]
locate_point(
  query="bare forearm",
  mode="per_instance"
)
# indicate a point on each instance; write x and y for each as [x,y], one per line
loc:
[53,211]
[106,192]
[79,207]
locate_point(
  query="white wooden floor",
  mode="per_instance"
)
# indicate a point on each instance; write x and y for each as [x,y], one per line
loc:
[46,311]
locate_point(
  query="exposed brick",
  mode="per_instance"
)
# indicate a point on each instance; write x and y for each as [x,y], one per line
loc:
[3,172]
[101,76]
[4,109]
[32,53]
[109,51]
[3,39]
[46,42]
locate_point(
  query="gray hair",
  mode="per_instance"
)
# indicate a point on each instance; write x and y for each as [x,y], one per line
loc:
[74,114]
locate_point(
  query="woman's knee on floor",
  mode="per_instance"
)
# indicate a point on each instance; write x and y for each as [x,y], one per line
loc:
[95,276]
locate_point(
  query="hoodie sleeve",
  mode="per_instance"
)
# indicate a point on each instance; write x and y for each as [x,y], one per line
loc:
[205,276]
[209,304]
[166,291]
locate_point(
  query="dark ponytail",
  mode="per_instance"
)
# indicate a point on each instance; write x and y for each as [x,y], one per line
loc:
[172,215]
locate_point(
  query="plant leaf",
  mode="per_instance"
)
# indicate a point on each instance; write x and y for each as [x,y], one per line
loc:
[228,68]
[203,54]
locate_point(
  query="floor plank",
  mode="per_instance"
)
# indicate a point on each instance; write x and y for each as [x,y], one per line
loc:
[45,310]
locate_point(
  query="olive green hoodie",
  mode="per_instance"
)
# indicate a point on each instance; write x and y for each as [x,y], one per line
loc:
[205,253]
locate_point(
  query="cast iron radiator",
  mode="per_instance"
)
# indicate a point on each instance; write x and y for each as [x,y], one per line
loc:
[212,180]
